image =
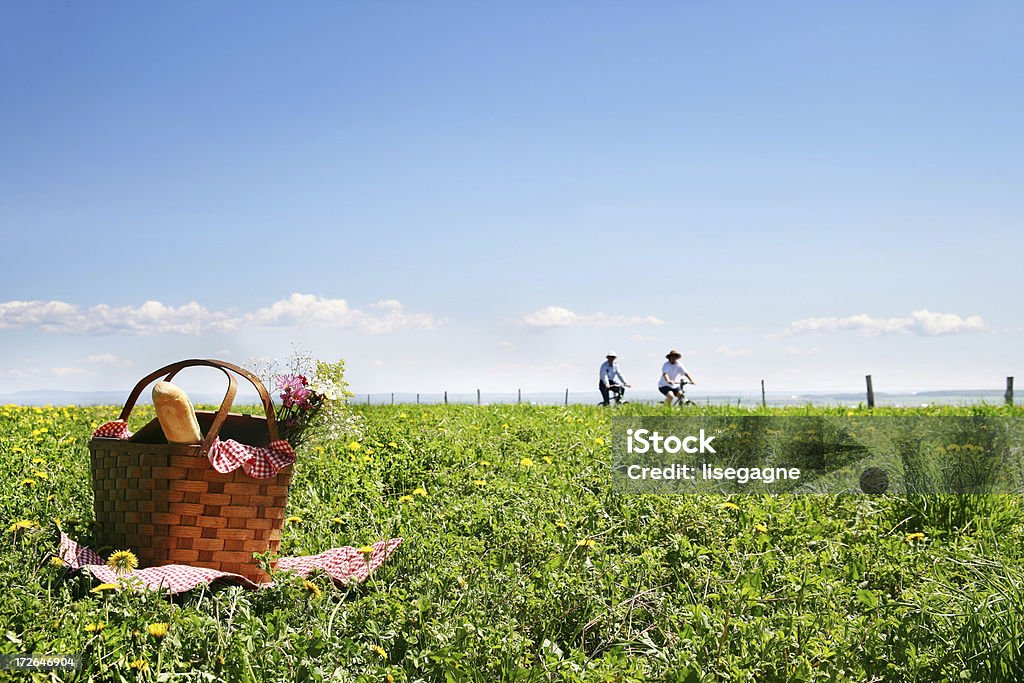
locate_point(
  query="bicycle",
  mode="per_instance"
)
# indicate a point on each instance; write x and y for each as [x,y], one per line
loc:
[615,394]
[681,399]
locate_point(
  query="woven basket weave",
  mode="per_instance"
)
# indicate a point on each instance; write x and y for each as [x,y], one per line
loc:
[167,504]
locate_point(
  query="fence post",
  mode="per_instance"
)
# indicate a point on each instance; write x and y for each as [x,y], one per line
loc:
[392,398]
[417,398]
[764,403]
[566,397]
[478,397]
[519,396]
[367,399]
[1009,391]
[446,398]
[871,392]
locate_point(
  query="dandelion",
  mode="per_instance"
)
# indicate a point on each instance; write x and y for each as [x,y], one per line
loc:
[105,587]
[405,499]
[312,588]
[21,524]
[598,441]
[39,474]
[485,463]
[548,459]
[95,627]
[158,630]
[526,462]
[319,450]
[480,482]
[916,536]
[36,461]
[139,664]
[292,520]
[337,520]
[505,426]
[381,652]
[57,562]
[586,543]
[123,561]
[28,482]
[402,416]
[392,444]
[761,528]
[730,506]
[367,459]
[419,491]
[365,549]
[354,446]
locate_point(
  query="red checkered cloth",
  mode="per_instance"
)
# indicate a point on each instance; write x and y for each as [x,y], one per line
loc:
[343,565]
[225,456]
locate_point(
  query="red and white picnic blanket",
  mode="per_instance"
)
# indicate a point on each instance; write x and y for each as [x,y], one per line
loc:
[344,565]
[225,456]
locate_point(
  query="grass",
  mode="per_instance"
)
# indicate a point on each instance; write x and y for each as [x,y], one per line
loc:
[521,563]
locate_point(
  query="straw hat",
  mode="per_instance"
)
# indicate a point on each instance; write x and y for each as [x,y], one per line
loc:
[673,352]
[611,354]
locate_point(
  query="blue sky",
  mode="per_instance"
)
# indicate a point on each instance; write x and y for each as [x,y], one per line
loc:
[456,195]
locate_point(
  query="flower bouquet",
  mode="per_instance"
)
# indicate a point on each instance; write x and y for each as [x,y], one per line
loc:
[313,396]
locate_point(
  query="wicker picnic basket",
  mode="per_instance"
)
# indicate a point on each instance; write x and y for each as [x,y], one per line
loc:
[167,504]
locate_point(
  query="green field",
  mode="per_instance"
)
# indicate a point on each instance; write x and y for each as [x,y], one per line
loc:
[521,563]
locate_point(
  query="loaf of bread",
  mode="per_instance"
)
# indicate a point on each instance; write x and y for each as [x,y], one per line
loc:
[176,414]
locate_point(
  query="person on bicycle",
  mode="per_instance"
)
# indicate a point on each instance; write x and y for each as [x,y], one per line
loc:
[672,377]
[609,378]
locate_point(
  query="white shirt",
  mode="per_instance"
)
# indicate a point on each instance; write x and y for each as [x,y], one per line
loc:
[608,373]
[675,371]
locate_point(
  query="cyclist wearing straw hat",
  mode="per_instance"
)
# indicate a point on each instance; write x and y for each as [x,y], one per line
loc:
[672,373]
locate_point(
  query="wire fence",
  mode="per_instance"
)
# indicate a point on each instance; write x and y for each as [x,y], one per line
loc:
[739,399]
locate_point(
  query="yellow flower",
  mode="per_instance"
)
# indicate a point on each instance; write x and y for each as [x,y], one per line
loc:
[730,506]
[21,524]
[105,587]
[419,491]
[526,462]
[28,482]
[392,444]
[57,562]
[39,474]
[139,664]
[367,459]
[95,627]
[17,449]
[505,426]
[337,520]
[123,561]
[381,652]
[916,536]
[292,520]
[548,459]
[402,416]
[485,463]
[312,588]
[37,461]
[586,543]
[365,549]
[761,527]
[319,450]
[158,630]
[598,441]
[480,482]
[354,446]
[405,499]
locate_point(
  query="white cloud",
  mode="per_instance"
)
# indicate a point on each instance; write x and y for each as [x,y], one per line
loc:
[556,316]
[923,323]
[507,345]
[731,352]
[108,360]
[153,317]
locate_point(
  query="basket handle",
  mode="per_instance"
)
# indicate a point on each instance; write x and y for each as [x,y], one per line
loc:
[222,413]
